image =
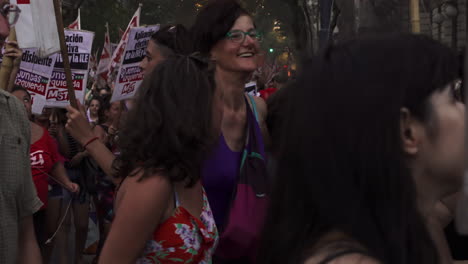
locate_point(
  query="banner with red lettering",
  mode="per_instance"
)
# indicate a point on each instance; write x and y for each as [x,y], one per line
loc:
[130,75]
[79,45]
[117,55]
[34,75]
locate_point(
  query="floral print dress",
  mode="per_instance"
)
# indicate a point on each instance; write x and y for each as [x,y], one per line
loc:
[183,238]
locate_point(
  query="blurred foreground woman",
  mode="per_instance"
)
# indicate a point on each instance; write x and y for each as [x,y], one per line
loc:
[376,130]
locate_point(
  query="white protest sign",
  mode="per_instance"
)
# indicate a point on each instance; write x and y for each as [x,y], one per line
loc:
[36,26]
[130,76]
[79,45]
[117,55]
[34,74]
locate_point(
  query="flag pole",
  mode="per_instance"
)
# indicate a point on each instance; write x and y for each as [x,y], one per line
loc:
[64,52]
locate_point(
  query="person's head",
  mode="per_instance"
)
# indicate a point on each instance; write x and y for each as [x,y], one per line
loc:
[172,122]
[104,91]
[377,126]
[226,32]
[24,96]
[113,110]
[94,106]
[58,118]
[167,41]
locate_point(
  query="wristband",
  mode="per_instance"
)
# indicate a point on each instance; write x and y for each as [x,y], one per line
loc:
[89,142]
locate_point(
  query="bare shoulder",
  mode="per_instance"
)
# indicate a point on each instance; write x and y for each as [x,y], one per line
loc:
[156,182]
[355,258]
[153,192]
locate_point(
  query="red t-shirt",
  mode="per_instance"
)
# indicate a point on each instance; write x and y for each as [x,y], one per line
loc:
[44,155]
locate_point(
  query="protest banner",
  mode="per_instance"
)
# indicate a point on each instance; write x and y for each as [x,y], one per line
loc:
[34,75]
[117,56]
[130,75]
[37,29]
[79,45]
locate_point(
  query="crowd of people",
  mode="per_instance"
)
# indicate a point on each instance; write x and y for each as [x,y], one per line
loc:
[358,160]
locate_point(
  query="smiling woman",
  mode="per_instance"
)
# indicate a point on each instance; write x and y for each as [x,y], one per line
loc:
[226,33]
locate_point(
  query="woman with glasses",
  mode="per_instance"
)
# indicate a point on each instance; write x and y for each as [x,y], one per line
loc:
[379,126]
[226,33]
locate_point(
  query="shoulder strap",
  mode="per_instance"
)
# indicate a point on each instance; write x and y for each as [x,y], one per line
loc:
[342,253]
[254,106]
[176,198]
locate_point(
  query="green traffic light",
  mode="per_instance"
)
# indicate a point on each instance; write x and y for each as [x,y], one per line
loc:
[271,50]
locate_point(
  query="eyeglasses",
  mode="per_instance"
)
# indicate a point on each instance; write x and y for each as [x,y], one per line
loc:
[11,13]
[238,36]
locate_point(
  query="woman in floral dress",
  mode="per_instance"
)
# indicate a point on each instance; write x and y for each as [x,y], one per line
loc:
[162,214]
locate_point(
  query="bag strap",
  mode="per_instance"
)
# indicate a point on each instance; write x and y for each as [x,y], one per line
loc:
[250,148]
[254,105]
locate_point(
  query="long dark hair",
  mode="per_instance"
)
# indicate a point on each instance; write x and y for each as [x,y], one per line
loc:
[169,128]
[213,22]
[341,165]
[173,39]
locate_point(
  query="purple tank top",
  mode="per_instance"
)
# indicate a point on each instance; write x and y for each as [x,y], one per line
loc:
[220,172]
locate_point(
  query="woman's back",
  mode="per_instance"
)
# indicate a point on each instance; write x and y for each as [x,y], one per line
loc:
[185,230]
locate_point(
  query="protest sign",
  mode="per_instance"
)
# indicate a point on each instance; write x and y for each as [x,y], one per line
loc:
[130,76]
[34,75]
[119,52]
[37,29]
[79,45]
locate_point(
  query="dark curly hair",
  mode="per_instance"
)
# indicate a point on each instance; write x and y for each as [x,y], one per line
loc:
[169,129]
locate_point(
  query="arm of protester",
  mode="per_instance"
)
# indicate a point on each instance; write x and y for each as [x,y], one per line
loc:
[78,126]
[64,148]
[15,53]
[60,174]
[139,211]
[76,160]
[28,249]
[262,111]
[12,50]
[99,132]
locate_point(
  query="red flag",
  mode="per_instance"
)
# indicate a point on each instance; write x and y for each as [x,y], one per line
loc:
[104,62]
[77,23]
